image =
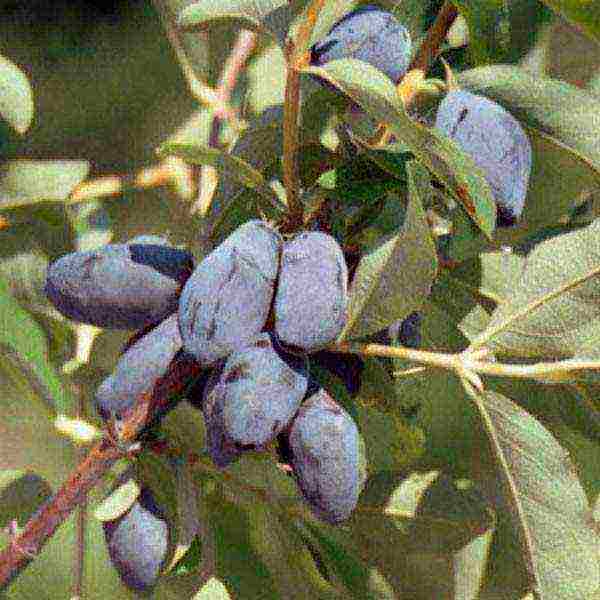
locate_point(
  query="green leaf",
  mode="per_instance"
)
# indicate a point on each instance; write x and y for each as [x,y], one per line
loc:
[553,308]
[16,96]
[239,567]
[491,275]
[21,493]
[470,564]
[266,16]
[546,501]
[584,15]
[558,176]
[393,280]
[288,559]
[24,182]
[24,350]
[228,165]
[377,95]
[486,42]
[119,502]
[213,589]
[329,15]
[424,518]
[339,556]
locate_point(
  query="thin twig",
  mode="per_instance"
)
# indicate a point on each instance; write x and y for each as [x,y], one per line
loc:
[80,523]
[435,37]
[236,61]
[291,138]
[296,57]
[428,51]
[23,547]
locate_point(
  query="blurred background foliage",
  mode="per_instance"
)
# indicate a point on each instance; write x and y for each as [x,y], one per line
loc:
[108,90]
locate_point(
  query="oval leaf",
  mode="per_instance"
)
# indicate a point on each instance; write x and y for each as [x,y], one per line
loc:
[24,182]
[230,166]
[267,16]
[119,502]
[24,353]
[393,280]
[16,96]
[546,500]
[377,95]
[21,493]
[583,15]
[553,307]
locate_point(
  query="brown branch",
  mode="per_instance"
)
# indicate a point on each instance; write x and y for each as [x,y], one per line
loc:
[296,57]
[291,137]
[409,86]
[434,38]
[241,51]
[24,546]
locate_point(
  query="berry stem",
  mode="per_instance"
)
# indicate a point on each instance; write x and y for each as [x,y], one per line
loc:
[291,137]
[296,56]
[434,38]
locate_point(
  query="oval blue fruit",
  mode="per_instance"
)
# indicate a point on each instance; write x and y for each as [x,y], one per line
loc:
[138,543]
[496,142]
[312,292]
[121,286]
[254,395]
[370,34]
[140,369]
[327,457]
[227,300]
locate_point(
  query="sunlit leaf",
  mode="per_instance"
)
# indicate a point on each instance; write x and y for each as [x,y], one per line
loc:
[119,502]
[553,308]
[267,16]
[584,15]
[547,503]
[16,96]
[24,182]
[24,349]
[377,95]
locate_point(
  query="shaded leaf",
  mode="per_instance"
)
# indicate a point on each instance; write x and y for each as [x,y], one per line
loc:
[21,493]
[491,275]
[425,518]
[377,95]
[393,279]
[548,505]
[24,351]
[228,165]
[470,565]
[583,15]
[267,16]
[287,558]
[553,309]
[16,96]
[486,41]
[24,181]
[336,551]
